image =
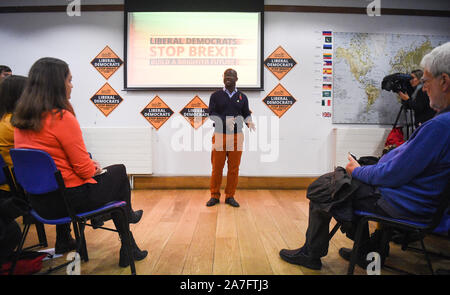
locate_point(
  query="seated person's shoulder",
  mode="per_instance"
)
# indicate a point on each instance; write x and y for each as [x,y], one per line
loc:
[63,117]
[441,121]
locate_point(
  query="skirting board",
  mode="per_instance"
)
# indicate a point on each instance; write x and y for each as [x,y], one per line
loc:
[202,182]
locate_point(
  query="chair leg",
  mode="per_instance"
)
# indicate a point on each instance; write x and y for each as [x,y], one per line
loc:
[83,242]
[356,246]
[40,229]
[19,248]
[384,244]
[427,256]
[334,230]
[78,239]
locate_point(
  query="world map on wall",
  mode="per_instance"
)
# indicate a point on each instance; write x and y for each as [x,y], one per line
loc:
[361,61]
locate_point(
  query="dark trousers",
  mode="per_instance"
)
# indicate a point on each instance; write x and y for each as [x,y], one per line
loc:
[317,235]
[10,239]
[111,186]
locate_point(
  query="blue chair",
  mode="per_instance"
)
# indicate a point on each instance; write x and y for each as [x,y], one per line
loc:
[37,176]
[439,219]
[7,178]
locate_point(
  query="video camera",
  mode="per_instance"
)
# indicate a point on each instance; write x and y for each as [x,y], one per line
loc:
[397,82]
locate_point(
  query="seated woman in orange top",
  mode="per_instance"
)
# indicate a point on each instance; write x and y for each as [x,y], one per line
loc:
[11,89]
[44,119]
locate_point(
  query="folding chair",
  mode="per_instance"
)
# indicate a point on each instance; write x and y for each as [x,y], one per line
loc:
[420,228]
[7,178]
[36,175]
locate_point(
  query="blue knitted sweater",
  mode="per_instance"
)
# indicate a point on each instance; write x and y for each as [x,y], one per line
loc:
[411,177]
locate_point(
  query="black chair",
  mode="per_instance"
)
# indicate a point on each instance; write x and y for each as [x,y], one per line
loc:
[37,176]
[420,229]
[7,178]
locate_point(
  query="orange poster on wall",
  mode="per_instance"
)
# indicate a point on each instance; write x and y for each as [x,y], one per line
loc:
[106,99]
[279,63]
[279,100]
[157,112]
[195,112]
[107,62]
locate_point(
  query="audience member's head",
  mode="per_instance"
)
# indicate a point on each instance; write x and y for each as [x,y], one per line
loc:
[5,71]
[48,89]
[11,89]
[436,76]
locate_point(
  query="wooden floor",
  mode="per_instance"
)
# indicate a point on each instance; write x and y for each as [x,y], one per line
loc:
[185,237]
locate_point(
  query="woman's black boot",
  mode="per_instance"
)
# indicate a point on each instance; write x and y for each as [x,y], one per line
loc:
[64,241]
[136,252]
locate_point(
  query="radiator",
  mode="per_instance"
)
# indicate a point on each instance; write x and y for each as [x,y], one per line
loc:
[129,146]
[358,141]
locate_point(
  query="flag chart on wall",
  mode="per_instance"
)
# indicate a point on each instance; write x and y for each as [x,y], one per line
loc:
[195,112]
[327,71]
[106,99]
[157,112]
[279,100]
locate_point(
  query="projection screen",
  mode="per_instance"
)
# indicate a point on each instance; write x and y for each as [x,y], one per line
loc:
[191,50]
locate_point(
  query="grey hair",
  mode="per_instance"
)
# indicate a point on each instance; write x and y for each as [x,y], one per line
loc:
[438,60]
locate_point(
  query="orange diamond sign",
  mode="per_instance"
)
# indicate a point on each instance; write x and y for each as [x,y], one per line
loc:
[157,112]
[107,62]
[106,99]
[279,100]
[279,63]
[195,112]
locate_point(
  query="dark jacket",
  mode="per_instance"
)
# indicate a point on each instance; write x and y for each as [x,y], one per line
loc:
[420,103]
[332,193]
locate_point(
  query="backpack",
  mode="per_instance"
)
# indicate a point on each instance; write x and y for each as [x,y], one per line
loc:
[395,137]
[29,262]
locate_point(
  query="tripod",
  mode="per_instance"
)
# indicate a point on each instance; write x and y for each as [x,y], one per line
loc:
[408,121]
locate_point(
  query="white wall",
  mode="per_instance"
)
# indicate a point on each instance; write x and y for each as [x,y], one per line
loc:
[406,4]
[305,138]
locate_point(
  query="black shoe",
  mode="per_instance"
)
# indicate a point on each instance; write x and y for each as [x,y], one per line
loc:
[97,222]
[231,201]
[136,216]
[346,253]
[212,202]
[405,238]
[64,246]
[299,257]
[137,255]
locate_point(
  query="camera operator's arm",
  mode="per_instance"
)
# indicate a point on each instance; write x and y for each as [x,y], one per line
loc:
[403,96]
[405,99]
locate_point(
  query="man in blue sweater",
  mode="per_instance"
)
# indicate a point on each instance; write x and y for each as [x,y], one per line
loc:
[406,182]
[229,110]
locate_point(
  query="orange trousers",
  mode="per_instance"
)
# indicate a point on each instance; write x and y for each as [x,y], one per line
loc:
[225,146]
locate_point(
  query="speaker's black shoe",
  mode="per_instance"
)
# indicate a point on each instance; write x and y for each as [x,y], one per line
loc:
[300,257]
[231,201]
[212,202]
[136,216]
